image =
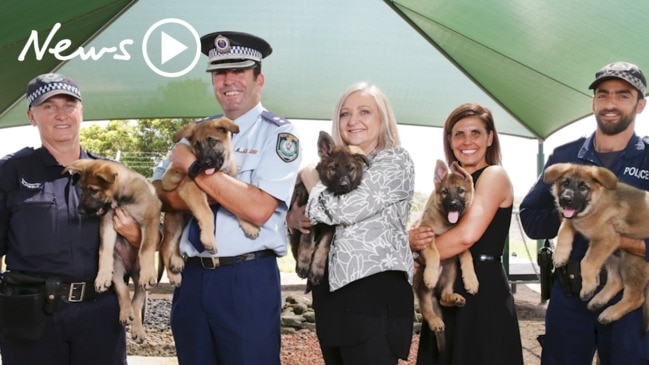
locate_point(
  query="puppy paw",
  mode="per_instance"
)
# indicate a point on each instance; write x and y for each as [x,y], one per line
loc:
[595,305]
[147,280]
[315,276]
[435,324]
[137,333]
[471,285]
[609,315]
[103,281]
[126,315]
[452,300]
[560,257]
[249,230]
[430,277]
[175,279]
[208,243]
[176,265]
[587,290]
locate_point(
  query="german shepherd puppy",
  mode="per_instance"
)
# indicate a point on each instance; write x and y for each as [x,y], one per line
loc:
[594,203]
[341,171]
[447,204]
[107,185]
[210,140]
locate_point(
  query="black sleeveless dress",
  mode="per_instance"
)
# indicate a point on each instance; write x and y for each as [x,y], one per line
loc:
[485,331]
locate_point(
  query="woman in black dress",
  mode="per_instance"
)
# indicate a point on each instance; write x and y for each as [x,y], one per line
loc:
[485,330]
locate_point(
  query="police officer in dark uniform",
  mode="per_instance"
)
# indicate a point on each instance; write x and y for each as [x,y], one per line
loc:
[227,310]
[43,238]
[573,334]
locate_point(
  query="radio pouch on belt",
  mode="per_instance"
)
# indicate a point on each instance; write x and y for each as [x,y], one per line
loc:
[546,265]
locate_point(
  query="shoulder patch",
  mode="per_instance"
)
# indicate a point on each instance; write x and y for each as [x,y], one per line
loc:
[288,147]
[273,118]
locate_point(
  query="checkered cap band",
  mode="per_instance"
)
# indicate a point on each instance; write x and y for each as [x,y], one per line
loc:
[52,87]
[235,52]
[624,71]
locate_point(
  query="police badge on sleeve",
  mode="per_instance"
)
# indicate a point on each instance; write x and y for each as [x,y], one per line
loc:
[288,147]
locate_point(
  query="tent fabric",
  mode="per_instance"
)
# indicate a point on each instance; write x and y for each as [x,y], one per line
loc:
[529,62]
[536,58]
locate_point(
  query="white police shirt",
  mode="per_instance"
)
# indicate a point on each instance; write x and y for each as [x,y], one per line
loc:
[268,156]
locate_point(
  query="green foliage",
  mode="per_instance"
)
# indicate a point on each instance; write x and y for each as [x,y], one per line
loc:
[138,144]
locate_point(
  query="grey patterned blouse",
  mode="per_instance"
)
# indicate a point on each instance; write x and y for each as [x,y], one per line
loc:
[371,235]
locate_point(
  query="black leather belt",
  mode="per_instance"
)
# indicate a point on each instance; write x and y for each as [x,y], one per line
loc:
[79,291]
[486,258]
[215,262]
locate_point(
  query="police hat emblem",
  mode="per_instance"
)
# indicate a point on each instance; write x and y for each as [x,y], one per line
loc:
[233,50]
[222,44]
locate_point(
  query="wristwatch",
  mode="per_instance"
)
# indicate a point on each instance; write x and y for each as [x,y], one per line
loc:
[194,169]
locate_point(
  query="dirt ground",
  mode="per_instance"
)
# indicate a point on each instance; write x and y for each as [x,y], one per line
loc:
[302,347]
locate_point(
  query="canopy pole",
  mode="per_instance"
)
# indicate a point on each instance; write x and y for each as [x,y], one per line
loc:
[540,161]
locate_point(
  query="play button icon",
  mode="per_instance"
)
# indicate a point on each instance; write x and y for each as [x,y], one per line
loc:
[169,47]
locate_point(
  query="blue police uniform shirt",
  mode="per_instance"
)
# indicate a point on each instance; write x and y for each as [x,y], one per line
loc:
[268,156]
[41,231]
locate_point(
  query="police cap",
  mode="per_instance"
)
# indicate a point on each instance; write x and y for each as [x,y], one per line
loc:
[231,50]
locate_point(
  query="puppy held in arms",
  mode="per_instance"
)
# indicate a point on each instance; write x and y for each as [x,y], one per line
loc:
[593,202]
[446,205]
[211,141]
[107,185]
[341,170]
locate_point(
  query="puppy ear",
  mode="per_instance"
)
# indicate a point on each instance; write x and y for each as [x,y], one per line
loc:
[441,170]
[456,168]
[554,172]
[185,132]
[77,166]
[229,124]
[362,158]
[107,173]
[605,177]
[325,145]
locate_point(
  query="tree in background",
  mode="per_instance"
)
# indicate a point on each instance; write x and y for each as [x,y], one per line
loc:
[138,144]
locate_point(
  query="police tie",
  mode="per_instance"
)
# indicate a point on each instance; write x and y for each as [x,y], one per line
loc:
[194,235]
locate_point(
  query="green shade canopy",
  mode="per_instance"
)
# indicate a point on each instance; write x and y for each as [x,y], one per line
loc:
[530,62]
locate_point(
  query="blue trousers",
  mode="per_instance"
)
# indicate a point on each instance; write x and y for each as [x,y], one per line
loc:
[82,333]
[573,334]
[228,315]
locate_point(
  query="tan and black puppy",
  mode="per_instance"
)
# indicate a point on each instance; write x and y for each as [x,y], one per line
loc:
[341,170]
[593,202]
[211,142]
[449,201]
[107,185]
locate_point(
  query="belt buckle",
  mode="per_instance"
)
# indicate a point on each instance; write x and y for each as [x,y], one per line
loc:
[76,292]
[210,262]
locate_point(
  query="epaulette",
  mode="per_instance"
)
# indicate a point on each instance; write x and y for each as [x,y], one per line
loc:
[273,118]
[20,153]
[210,118]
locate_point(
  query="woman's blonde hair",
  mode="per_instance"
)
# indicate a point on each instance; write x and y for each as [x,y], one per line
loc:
[388,134]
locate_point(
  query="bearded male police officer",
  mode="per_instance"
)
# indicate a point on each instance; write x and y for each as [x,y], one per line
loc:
[572,331]
[227,310]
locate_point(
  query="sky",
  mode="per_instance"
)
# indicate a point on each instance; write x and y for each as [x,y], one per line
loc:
[423,143]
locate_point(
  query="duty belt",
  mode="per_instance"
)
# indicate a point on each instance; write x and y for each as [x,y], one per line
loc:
[79,291]
[216,262]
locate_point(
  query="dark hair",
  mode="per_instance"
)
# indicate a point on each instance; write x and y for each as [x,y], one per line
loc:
[493,155]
